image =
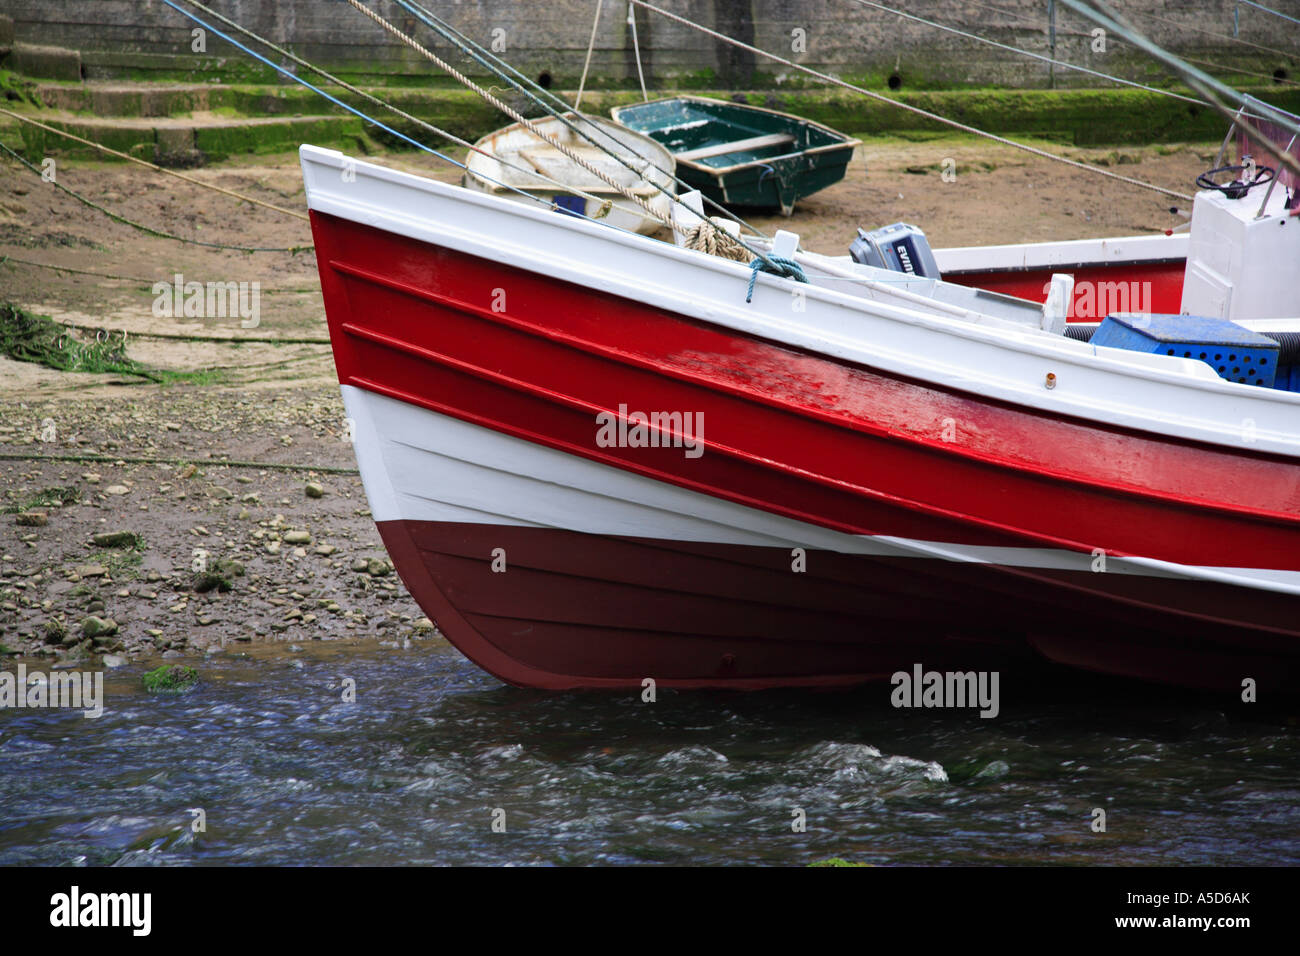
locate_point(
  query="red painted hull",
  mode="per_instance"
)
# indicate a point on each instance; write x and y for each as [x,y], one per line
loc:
[825,443]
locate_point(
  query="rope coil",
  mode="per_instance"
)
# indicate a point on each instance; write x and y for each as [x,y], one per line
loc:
[716,243]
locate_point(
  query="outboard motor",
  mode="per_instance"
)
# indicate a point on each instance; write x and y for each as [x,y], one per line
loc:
[901,248]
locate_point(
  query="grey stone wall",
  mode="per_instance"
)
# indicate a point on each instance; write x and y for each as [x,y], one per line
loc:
[134,38]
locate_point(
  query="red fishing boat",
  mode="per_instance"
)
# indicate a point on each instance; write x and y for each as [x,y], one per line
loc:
[594,461]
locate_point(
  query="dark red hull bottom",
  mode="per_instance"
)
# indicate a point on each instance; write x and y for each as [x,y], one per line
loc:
[575,610]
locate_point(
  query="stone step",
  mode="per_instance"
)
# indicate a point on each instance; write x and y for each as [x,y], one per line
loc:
[190,141]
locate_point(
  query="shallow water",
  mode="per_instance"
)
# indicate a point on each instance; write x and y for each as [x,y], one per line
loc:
[412,772]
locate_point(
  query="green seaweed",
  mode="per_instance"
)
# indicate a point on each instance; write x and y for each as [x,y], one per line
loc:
[171,679]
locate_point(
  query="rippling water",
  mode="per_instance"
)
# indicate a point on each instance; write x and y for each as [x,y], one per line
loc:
[287,773]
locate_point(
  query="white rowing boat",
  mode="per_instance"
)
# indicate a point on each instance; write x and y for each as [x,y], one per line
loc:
[514,160]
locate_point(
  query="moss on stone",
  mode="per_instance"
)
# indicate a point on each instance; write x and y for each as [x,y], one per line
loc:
[171,679]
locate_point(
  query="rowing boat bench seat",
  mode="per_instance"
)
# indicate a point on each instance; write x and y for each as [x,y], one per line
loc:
[736,146]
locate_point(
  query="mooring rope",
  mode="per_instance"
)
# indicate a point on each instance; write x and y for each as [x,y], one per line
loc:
[1219,36]
[520,118]
[205,462]
[158,169]
[934,117]
[715,242]
[149,230]
[509,111]
[371,98]
[146,283]
[544,99]
[636,51]
[586,64]
[1036,56]
[1260,6]
[780,266]
[1199,80]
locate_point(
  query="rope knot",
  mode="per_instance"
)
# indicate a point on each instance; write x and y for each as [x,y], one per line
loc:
[775,265]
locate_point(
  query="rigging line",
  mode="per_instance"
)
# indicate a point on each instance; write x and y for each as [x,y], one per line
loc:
[159,169]
[503,107]
[351,109]
[1036,56]
[378,102]
[934,117]
[1207,85]
[591,45]
[1221,36]
[1260,6]
[1218,66]
[149,230]
[532,127]
[539,94]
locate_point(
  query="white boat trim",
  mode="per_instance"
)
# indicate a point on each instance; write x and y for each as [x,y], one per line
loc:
[1073,253]
[421,465]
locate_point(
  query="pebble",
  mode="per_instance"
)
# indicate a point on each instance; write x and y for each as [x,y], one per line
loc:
[98,627]
[31,519]
[92,571]
[297,537]
[313,490]
[117,490]
[325,550]
[114,660]
[113,539]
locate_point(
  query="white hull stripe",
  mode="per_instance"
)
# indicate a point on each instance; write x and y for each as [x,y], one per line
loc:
[419,465]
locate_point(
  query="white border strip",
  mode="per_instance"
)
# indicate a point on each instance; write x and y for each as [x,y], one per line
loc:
[421,465]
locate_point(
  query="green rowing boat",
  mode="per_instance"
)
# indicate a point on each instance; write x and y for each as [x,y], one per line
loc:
[741,155]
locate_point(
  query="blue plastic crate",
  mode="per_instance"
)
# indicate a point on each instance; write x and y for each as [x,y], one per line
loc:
[1235,353]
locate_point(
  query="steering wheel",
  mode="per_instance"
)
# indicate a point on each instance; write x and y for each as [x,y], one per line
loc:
[1236,189]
